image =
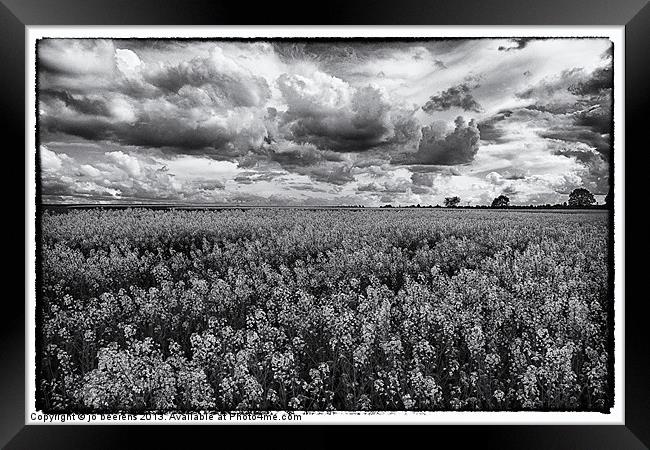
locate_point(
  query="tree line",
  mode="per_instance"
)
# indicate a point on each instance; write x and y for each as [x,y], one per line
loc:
[578,198]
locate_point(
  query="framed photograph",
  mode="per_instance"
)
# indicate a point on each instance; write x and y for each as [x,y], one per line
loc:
[411,217]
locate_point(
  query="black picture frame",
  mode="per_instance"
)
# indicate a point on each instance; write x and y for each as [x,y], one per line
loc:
[15,15]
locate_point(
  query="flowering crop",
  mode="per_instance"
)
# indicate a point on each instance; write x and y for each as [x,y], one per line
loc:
[323,310]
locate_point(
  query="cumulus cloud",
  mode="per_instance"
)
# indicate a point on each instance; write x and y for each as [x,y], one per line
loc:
[495,178]
[595,173]
[160,123]
[120,176]
[77,56]
[455,97]
[329,113]
[216,80]
[399,186]
[205,105]
[311,122]
[458,147]
[501,183]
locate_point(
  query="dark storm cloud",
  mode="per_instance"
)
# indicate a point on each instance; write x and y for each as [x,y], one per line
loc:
[458,147]
[597,117]
[574,107]
[571,91]
[578,134]
[160,132]
[90,128]
[600,80]
[207,105]
[80,103]
[455,97]
[590,126]
[490,130]
[517,44]
[310,117]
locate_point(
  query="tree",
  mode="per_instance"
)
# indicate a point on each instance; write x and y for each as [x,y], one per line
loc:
[581,197]
[452,202]
[501,201]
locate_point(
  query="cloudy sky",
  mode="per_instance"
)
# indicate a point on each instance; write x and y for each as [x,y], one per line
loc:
[323,122]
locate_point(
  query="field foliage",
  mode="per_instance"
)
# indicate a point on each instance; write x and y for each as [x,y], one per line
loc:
[323,310]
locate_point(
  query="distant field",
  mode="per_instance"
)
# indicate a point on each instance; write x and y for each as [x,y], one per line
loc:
[333,309]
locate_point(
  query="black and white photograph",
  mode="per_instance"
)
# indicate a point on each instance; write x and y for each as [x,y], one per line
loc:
[369,226]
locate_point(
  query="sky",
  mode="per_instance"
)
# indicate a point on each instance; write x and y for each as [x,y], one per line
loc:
[323,122]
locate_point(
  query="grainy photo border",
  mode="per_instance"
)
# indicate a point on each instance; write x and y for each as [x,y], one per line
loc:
[614,34]
[16,15]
